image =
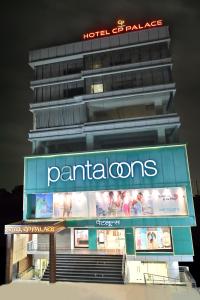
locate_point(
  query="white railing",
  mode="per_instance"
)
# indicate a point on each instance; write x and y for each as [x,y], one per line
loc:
[34,246]
[184,278]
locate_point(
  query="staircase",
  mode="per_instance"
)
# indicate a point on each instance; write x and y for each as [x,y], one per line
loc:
[87,268]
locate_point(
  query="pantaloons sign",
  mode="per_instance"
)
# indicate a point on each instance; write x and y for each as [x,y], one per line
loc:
[121,169]
[99,171]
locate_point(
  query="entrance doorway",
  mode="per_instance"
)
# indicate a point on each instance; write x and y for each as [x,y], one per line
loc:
[113,240]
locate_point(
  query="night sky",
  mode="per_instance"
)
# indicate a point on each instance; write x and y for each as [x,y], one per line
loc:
[27,25]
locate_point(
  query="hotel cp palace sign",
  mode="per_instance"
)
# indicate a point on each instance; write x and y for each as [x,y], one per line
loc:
[122,28]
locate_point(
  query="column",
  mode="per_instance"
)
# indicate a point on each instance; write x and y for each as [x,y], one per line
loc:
[92,236]
[173,270]
[130,247]
[52,258]
[159,107]
[175,136]
[89,142]
[36,145]
[161,135]
[91,114]
[9,257]
[46,148]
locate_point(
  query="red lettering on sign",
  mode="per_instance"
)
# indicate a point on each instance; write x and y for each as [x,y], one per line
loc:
[122,28]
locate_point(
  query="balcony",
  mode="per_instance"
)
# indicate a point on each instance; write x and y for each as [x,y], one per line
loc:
[149,123]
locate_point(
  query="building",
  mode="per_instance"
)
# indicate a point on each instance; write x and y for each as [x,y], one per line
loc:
[107,173]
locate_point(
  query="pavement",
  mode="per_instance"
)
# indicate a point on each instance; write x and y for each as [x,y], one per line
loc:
[32,290]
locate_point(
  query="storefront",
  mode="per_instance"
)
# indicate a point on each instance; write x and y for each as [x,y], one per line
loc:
[133,201]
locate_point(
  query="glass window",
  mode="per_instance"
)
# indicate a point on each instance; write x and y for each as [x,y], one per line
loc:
[97,88]
[81,238]
[153,239]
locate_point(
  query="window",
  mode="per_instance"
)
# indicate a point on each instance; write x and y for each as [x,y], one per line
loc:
[97,88]
[153,239]
[81,238]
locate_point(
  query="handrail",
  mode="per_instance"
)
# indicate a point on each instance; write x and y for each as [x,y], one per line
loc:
[188,275]
[163,280]
[19,275]
[123,265]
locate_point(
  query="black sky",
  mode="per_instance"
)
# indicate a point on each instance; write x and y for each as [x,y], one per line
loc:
[27,25]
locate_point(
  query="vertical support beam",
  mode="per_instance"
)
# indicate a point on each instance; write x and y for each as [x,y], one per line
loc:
[175,136]
[161,135]
[91,114]
[35,147]
[92,234]
[173,269]
[159,107]
[46,148]
[89,142]
[130,243]
[9,257]
[52,258]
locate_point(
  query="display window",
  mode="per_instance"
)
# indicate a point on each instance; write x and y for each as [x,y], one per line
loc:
[141,202]
[44,206]
[110,203]
[81,238]
[153,239]
[111,239]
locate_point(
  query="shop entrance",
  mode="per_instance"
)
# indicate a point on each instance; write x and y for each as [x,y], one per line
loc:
[113,240]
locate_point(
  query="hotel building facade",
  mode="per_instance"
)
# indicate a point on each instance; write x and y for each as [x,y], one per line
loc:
[108,181]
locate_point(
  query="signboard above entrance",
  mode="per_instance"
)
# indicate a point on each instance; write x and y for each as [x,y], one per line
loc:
[122,28]
[34,228]
[146,167]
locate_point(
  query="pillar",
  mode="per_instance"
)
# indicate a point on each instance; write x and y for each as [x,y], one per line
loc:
[92,234]
[52,258]
[9,257]
[91,114]
[159,108]
[130,245]
[161,136]
[36,147]
[173,270]
[89,142]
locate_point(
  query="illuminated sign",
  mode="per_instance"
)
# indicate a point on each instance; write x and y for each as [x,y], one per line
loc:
[106,170]
[28,229]
[122,28]
[99,171]
[107,223]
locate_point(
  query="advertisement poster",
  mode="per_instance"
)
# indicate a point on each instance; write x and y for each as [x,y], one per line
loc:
[44,206]
[67,205]
[153,239]
[143,202]
[115,203]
